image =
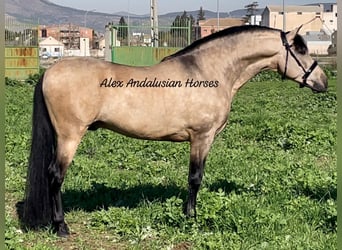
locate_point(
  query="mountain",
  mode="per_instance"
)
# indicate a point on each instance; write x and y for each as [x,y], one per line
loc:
[46,12]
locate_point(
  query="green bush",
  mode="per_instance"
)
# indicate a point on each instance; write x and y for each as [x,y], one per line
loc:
[274,76]
[267,76]
[31,80]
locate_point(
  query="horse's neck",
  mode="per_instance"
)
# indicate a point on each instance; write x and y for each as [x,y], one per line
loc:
[238,60]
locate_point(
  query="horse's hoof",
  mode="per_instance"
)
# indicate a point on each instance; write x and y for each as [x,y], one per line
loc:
[190,212]
[62,230]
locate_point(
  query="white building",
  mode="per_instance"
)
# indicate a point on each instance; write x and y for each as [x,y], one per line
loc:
[50,47]
[329,18]
[318,42]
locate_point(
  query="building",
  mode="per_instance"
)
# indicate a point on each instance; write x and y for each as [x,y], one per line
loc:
[50,47]
[255,17]
[319,22]
[273,17]
[255,20]
[317,42]
[69,34]
[329,18]
[210,26]
[332,50]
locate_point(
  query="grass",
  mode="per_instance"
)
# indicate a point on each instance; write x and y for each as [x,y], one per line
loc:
[270,180]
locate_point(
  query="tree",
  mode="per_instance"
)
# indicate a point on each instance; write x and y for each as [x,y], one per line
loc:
[180,29]
[197,28]
[200,15]
[122,29]
[251,9]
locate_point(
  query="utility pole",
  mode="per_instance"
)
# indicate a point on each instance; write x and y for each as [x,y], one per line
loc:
[218,15]
[128,26]
[284,17]
[85,16]
[154,24]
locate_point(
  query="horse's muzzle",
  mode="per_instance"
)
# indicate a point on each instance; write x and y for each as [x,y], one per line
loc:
[321,86]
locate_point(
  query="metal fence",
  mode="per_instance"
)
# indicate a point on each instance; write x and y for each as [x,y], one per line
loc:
[144,45]
[21,49]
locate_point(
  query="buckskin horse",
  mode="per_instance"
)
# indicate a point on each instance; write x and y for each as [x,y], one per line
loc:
[184,98]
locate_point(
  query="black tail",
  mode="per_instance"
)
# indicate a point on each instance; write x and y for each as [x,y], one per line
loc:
[37,205]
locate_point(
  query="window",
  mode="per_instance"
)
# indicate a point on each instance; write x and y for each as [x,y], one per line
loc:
[56,49]
[299,13]
[281,13]
[44,33]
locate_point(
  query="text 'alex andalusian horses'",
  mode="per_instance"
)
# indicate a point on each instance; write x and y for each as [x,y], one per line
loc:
[186,97]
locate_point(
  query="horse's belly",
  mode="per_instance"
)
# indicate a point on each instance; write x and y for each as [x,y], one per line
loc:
[148,131]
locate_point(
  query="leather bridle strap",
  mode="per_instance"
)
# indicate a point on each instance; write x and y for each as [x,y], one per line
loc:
[289,50]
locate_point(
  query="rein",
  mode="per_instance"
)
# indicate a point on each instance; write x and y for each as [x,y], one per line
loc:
[288,50]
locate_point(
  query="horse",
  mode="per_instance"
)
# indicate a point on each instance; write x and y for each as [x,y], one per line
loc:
[185,98]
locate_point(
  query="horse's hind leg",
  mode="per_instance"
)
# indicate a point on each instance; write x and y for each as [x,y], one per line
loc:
[66,148]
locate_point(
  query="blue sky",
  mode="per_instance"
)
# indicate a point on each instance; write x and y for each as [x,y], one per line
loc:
[164,6]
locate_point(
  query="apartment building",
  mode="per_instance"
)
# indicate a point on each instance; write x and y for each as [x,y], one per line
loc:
[69,34]
[211,25]
[325,16]
[319,23]
[273,16]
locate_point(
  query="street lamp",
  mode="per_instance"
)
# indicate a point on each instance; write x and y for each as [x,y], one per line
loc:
[85,17]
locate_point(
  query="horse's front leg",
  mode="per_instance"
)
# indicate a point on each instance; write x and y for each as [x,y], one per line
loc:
[196,170]
[200,146]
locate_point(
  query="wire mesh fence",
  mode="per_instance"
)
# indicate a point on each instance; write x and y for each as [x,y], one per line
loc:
[151,36]
[19,33]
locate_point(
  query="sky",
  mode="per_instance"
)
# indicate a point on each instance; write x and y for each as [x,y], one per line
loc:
[164,6]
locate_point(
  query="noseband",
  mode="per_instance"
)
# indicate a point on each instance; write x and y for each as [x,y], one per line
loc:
[288,50]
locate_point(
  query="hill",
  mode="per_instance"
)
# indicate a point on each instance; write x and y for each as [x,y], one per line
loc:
[46,12]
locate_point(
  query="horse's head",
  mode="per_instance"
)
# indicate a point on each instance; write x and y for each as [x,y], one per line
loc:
[295,63]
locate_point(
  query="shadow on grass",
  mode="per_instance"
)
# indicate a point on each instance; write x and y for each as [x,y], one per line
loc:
[101,196]
[225,185]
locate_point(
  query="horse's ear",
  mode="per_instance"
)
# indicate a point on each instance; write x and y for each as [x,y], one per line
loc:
[291,34]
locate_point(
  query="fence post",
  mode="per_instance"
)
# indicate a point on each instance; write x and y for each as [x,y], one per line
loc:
[189,31]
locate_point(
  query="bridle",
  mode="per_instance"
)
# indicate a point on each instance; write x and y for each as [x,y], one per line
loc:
[289,50]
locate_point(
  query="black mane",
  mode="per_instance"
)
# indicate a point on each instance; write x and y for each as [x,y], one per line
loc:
[222,33]
[300,45]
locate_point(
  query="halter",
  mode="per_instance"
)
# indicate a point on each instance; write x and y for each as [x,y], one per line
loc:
[306,72]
